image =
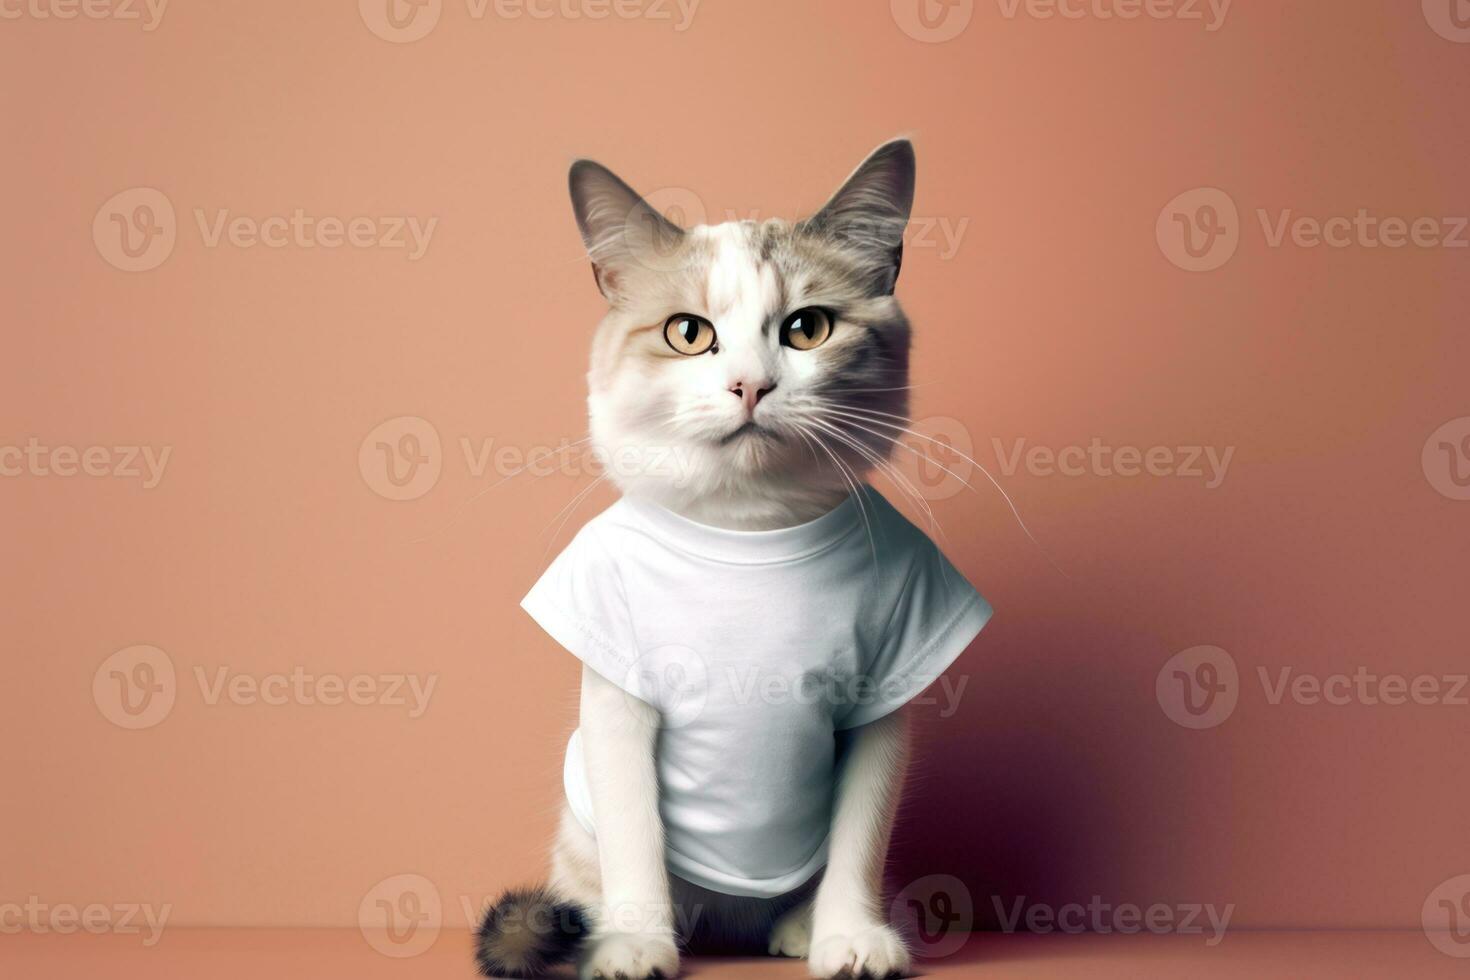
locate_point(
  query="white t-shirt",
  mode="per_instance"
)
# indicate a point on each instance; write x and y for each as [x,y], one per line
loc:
[755,647]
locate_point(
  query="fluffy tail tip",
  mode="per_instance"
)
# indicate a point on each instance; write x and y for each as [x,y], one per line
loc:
[528,931]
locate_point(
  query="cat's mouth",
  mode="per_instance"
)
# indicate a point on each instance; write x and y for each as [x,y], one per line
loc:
[750,430]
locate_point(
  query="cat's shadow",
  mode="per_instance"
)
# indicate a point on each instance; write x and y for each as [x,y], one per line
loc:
[1006,798]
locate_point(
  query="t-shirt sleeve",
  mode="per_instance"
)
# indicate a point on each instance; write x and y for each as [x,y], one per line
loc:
[937,615]
[580,603]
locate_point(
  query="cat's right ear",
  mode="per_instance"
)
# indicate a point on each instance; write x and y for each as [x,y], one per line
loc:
[621,230]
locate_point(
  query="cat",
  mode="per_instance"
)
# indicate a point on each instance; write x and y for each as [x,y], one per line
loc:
[773,358]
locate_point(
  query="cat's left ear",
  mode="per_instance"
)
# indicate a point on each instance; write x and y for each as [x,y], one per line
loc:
[871,211]
[622,231]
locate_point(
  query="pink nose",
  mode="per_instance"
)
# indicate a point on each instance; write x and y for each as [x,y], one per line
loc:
[751,394]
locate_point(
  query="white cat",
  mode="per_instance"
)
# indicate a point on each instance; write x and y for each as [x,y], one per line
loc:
[751,621]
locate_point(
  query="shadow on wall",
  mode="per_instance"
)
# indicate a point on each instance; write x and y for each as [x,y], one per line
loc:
[1052,777]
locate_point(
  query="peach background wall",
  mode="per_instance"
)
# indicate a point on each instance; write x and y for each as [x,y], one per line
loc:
[1045,281]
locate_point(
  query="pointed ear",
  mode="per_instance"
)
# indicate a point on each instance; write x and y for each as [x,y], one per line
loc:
[869,213]
[620,229]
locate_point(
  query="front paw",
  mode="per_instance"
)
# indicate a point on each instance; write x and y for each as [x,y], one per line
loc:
[872,952]
[792,933]
[630,956]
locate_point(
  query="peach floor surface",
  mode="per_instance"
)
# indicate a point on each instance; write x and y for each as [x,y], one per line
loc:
[326,954]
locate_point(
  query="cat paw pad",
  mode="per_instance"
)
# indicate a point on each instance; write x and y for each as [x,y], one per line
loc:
[630,956]
[871,953]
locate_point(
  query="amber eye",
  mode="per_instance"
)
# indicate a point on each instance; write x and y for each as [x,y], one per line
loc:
[689,334]
[807,329]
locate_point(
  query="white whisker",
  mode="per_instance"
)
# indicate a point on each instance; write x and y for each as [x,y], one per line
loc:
[895,476]
[1015,512]
[569,509]
[854,491]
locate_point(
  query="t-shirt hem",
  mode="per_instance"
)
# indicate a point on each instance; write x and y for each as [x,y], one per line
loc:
[696,873]
[942,650]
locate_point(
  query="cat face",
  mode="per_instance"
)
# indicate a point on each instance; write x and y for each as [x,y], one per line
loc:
[748,359]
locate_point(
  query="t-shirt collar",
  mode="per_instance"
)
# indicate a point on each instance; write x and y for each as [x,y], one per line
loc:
[749,547]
